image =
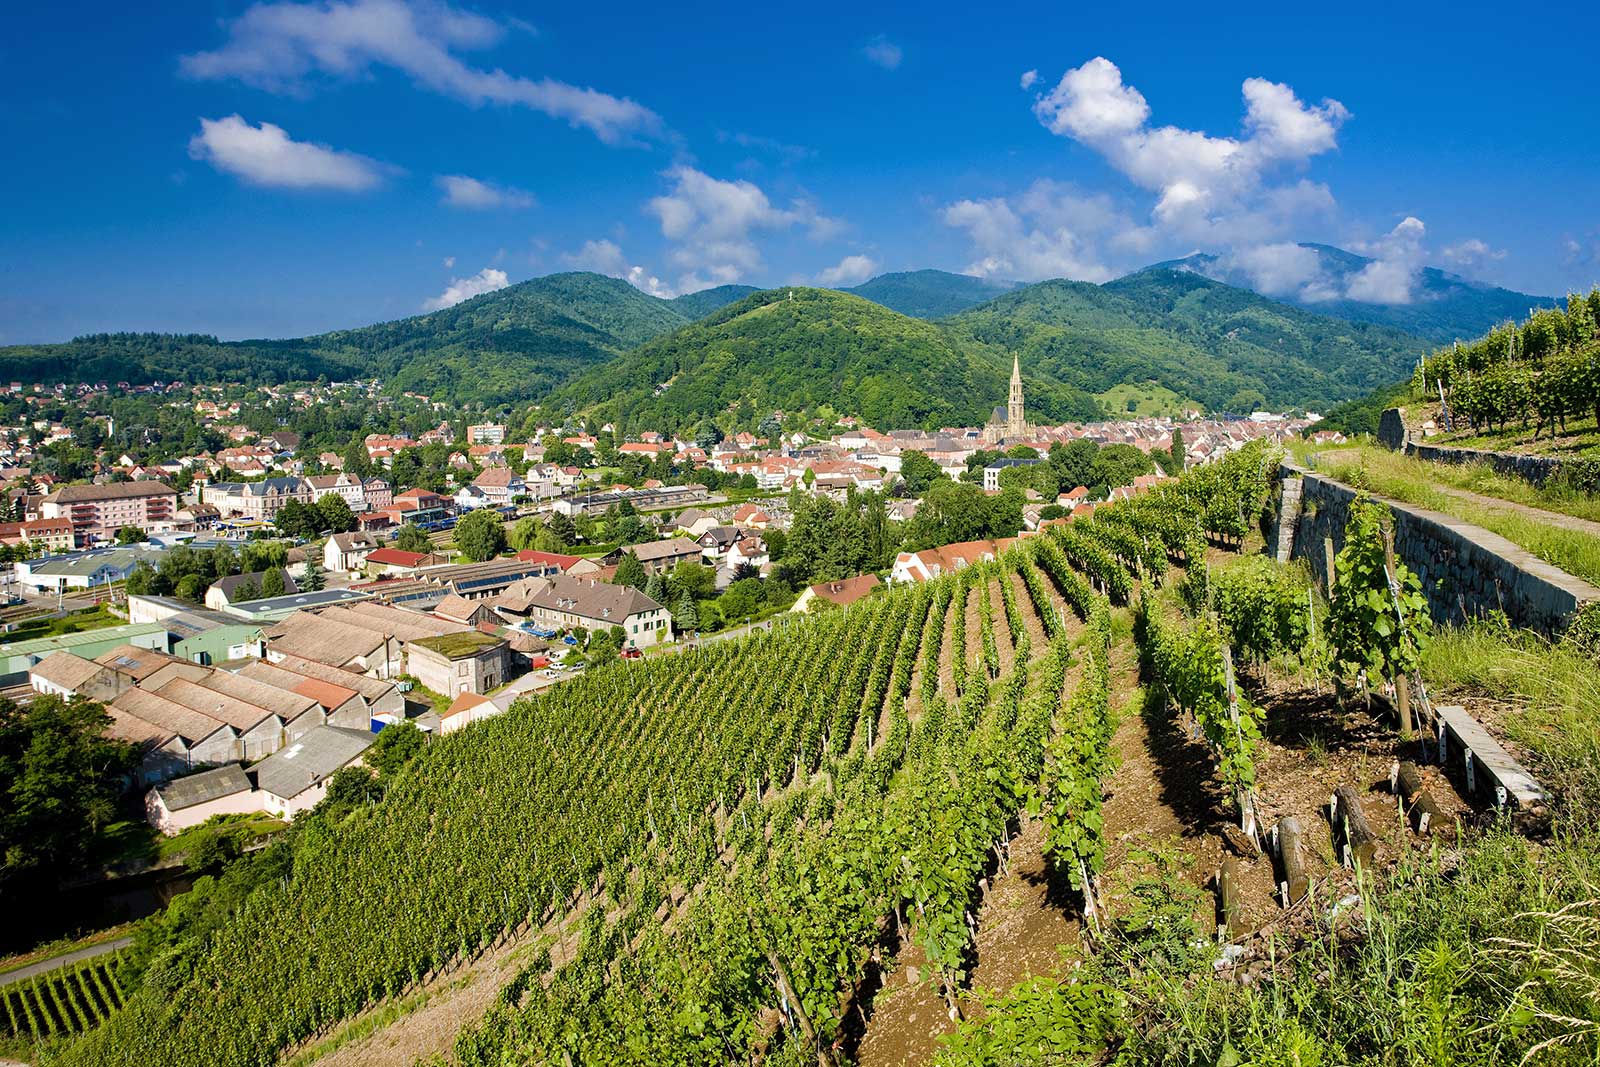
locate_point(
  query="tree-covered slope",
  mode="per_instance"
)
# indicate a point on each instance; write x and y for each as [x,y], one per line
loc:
[698,305]
[1444,307]
[1226,347]
[929,294]
[797,349]
[513,344]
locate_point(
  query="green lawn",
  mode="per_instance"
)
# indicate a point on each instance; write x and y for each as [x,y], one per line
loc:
[93,619]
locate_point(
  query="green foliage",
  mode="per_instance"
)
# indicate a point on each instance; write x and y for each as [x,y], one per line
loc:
[410,538]
[130,535]
[1079,761]
[480,535]
[918,472]
[1195,336]
[397,745]
[1373,626]
[828,539]
[1262,607]
[273,583]
[630,571]
[61,1002]
[1040,1022]
[769,351]
[953,512]
[59,783]
[334,514]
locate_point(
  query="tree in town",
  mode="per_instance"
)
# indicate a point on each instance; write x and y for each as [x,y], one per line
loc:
[564,529]
[334,514]
[684,616]
[59,780]
[314,579]
[190,587]
[918,472]
[410,538]
[245,591]
[272,583]
[295,519]
[396,745]
[481,535]
[630,572]
[129,535]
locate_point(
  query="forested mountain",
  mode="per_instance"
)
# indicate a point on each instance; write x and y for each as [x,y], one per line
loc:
[1227,348]
[929,294]
[793,349]
[698,305]
[1445,307]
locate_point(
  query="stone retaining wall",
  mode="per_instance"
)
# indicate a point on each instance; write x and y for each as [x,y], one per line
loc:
[1466,571]
[1392,434]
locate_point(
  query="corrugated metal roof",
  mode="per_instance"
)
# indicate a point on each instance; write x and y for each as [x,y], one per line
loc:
[205,786]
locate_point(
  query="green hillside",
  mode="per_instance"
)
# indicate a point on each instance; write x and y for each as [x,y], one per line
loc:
[698,305]
[514,344]
[797,349]
[1225,347]
[929,294]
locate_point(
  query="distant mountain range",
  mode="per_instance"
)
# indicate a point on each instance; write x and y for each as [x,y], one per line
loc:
[917,347]
[1444,307]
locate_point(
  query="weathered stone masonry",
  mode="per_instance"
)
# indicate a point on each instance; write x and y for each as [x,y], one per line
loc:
[1466,571]
[1392,434]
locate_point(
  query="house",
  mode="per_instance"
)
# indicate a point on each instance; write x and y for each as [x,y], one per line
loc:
[377,493]
[556,603]
[97,512]
[489,433]
[256,501]
[660,556]
[337,644]
[295,777]
[500,485]
[467,662]
[749,550]
[224,590]
[347,487]
[466,709]
[715,542]
[345,552]
[56,535]
[693,522]
[577,566]
[394,561]
[460,610]
[933,562]
[751,517]
[841,593]
[184,802]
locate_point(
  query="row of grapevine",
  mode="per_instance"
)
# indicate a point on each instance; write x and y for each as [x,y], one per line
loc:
[1546,370]
[61,1002]
[1193,668]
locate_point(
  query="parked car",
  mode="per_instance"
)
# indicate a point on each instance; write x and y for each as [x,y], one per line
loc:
[631,653]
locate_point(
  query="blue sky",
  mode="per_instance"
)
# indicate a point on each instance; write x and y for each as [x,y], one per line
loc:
[283,168]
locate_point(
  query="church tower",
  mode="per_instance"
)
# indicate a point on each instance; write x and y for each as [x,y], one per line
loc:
[1016,422]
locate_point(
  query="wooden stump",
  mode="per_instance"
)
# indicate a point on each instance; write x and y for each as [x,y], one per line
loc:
[1350,819]
[1290,843]
[1424,814]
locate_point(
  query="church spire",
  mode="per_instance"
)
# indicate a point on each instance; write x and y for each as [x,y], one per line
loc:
[1016,419]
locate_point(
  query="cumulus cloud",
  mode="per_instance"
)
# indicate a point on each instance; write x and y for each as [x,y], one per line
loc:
[486,280]
[449,261]
[1397,259]
[1283,269]
[851,270]
[266,155]
[283,46]
[1049,231]
[883,52]
[1029,77]
[605,257]
[713,222]
[1472,254]
[462,191]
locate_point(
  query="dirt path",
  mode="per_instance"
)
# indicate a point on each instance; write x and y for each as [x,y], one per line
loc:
[1032,625]
[947,646]
[1001,627]
[22,974]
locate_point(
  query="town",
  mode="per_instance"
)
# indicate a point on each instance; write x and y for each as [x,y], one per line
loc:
[269,599]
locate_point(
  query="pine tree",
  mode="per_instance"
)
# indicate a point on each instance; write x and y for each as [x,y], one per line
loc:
[631,572]
[684,615]
[314,579]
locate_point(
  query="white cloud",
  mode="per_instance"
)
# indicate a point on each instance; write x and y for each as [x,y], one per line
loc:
[486,280]
[449,261]
[712,223]
[1029,77]
[1281,269]
[462,191]
[883,52]
[605,257]
[265,155]
[280,46]
[1472,254]
[1397,257]
[1050,231]
[851,270]
[1206,189]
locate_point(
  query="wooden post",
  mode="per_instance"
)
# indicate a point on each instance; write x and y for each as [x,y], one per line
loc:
[1402,684]
[1347,815]
[786,987]
[1291,849]
[1419,807]
[1228,895]
[1327,559]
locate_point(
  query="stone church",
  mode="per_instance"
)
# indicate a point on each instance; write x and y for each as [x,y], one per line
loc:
[1009,423]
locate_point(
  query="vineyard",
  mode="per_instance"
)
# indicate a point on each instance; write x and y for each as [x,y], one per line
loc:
[721,856]
[1545,371]
[62,1002]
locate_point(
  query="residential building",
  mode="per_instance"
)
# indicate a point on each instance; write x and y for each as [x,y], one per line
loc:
[97,512]
[488,433]
[660,556]
[346,552]
[223,591]
[552,604]
[841,593]
[467,662]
